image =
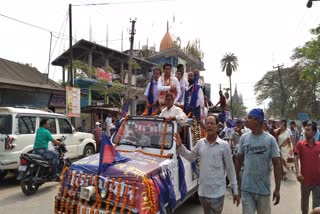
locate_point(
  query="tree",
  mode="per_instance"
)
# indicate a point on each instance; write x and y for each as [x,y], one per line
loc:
[308,58]
[297,92]
[229,64]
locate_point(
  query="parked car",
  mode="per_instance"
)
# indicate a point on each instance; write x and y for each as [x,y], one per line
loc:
[18,127]
[149,181]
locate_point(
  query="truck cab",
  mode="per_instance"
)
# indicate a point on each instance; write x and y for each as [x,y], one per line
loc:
[151,179]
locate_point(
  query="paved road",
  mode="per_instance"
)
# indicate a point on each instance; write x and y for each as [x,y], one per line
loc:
[13,201]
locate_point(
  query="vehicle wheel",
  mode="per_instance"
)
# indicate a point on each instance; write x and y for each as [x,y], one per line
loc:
[2,175]
[26,183]
[168,210]
[196,197]
[88,150]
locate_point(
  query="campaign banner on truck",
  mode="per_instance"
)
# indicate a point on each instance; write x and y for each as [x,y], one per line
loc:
[73,107]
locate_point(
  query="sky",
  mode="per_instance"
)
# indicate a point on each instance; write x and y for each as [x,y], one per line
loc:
[262,34]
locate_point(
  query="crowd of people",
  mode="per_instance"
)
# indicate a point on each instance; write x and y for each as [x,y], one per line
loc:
[246,149]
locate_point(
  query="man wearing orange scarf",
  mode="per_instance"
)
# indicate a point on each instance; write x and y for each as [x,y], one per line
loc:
[168,83]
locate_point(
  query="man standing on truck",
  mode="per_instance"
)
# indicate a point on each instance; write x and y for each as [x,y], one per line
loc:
[40,147]
[216,160]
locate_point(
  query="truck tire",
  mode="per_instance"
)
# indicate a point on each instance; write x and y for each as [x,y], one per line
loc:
[88,150]
[196,198]
[2,175]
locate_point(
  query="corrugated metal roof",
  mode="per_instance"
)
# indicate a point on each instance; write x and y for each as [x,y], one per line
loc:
[19,74]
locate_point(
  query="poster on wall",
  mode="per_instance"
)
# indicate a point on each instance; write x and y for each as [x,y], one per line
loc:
[73,101]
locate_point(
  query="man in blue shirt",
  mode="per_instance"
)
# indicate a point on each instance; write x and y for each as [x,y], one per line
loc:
[257,150]
[40,147]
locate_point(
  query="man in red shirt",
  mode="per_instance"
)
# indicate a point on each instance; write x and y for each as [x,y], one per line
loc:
[223,106]
[308,153]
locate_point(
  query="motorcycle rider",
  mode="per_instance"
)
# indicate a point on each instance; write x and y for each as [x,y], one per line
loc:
[40,147]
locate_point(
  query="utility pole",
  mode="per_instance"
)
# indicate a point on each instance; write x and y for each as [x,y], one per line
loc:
[70,47]
[131,39]
[283,100]
[73,121]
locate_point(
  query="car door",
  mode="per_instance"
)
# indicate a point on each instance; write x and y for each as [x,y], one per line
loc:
[71,140]
[25,132]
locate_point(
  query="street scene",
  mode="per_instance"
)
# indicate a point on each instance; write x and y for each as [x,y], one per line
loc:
[16,201]
[160,107]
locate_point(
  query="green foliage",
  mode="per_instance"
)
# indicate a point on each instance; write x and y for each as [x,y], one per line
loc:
[298,93]
[308,56]
[114,92]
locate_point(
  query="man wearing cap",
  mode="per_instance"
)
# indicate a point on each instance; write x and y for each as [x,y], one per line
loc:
[256,151]
[97,132]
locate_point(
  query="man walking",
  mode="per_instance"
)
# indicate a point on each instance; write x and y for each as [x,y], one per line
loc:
[256,151]
[295,133]
[307,152]
[216,160]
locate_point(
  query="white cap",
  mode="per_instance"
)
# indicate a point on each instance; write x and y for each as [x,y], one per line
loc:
[97,124]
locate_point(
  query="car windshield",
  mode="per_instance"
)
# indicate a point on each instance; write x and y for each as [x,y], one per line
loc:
[5,124]
[144,133]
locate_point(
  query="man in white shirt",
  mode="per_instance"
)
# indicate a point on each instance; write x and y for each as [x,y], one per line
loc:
[172,112]
[183,83]
[168,83]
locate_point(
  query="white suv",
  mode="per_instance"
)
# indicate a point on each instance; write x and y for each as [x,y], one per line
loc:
[17,134]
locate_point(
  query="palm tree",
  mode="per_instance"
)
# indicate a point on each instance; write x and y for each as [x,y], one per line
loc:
[229,64]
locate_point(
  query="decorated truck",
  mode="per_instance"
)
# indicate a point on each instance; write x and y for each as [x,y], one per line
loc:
[137,171]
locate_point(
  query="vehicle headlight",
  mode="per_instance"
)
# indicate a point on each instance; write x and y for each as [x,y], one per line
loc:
[103,193]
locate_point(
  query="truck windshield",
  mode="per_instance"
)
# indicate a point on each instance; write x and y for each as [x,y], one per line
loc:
[5,124]
[145,133]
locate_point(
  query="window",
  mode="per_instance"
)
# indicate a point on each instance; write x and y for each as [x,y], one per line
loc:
[5,124]
[53,127]
[26,125]
[64,126]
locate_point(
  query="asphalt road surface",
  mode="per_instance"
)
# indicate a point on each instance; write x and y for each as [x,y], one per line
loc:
[13,201]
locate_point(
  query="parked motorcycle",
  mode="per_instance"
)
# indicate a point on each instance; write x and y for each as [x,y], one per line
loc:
[35,170]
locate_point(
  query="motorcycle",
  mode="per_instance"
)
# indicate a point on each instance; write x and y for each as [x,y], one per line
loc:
[35,170]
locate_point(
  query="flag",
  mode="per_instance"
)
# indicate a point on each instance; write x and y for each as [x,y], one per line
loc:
[182,181]
[108,155]
[125,109]
[150,95]
[194,93]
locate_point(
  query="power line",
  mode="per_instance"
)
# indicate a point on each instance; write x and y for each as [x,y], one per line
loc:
[128,2]
[32,25]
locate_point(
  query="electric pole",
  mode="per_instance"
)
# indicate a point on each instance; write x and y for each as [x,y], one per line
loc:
[73,120]
[131,39]
[283,99]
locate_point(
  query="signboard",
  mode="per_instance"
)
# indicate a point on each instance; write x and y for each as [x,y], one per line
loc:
[73,108]
[104,75]
[303,116]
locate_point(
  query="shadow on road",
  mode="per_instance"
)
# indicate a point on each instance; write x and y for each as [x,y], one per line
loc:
[18,195]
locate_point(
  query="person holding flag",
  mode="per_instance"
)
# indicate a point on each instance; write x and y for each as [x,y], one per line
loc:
[151,94]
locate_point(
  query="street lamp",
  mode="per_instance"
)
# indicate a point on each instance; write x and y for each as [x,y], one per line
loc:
[309,3]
